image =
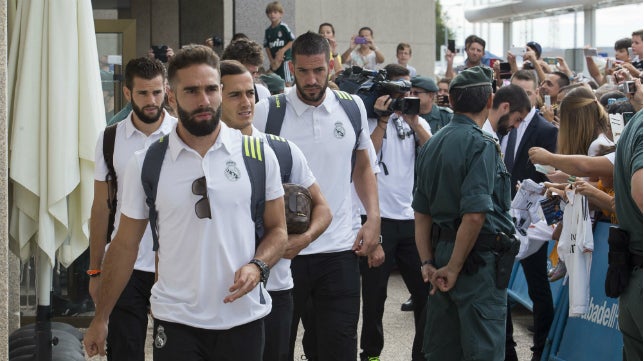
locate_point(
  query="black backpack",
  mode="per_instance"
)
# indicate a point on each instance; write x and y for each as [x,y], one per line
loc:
[109,137]
[253,154]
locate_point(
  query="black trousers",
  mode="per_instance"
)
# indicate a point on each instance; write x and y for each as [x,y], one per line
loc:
[398,242]
[174,341]
[277,326]
[536,275]
[128,324]
[326,292]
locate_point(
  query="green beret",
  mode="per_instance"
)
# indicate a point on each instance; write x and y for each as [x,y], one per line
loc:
[471,77]
[274,82]
[424,83]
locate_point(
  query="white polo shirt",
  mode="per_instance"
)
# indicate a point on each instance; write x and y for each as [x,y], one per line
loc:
[127,141]
[326,137]
[358,208]
[395,189]
[262,91]
[281,278]
[198,257]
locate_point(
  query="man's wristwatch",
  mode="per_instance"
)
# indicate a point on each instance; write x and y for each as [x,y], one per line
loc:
[264,270]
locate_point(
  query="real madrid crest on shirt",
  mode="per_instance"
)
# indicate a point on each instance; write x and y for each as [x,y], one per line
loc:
[339,131]
[279,34]
[232,172]
[161,338]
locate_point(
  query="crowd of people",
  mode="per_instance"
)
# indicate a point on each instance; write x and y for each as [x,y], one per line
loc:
[188,221]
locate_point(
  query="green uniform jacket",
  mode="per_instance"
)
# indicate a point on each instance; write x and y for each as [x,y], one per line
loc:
[438,117]
[460,170]
[628,160]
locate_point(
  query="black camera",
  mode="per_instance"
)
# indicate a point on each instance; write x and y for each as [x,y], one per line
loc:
[442,100]
[505,71]
[160,52]
[217,42]
[406,105]
[369,85]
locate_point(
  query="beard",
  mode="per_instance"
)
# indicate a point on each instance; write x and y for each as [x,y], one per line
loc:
[502,127]
[312,98]
[143,117]
[199,128]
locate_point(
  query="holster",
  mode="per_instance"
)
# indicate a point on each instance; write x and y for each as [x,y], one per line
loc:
[506,251]
[503,246]
[619,262]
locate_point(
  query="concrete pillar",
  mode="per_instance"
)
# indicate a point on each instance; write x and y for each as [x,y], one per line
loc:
[507,37]
[589,27]
[4,196]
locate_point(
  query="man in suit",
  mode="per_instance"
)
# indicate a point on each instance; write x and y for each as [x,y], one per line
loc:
[534,131]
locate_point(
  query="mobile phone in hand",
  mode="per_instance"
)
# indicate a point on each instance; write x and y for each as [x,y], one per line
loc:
[451,45]
[360,40]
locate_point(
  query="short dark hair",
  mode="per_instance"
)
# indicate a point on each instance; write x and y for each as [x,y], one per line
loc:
[615,94]
[403,46]
[245,51]
[144,68]
[365,28]
[327,24]
[474,39]
[396,71]
[637,33]
[513,94]
[470,100]
[563,81]
[623,43]
[231,67]
[310,43]
[190,55]
[620,107]
[527,75]
[444,80]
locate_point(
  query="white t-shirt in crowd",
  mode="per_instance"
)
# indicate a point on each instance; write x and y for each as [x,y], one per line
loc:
[397,156]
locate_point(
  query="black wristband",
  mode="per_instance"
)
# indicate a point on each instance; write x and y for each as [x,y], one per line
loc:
[428,262]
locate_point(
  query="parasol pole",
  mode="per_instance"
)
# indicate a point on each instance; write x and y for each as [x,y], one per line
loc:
[43,336]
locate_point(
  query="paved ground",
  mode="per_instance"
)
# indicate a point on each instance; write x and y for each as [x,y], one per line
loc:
[399,330]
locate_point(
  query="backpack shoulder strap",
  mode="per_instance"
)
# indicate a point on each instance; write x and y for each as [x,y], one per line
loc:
[353,112]
[253,154]
[150,172]
[284,157]
[276,112]
[109,137]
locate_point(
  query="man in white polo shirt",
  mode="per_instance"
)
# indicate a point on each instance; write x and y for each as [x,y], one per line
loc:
[237,109]
[326,273]
[147,122]
[208,302]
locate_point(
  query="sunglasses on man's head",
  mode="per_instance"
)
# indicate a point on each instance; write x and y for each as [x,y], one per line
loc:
[202,207]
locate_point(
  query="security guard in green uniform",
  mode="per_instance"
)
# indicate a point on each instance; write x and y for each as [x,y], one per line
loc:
[628,204]
[463,229]
[425,89]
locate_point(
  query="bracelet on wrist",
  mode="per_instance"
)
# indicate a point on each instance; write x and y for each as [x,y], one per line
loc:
[93,272]
[428,262]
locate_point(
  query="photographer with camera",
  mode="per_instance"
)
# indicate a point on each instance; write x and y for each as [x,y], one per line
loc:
[396,134]
[425,89]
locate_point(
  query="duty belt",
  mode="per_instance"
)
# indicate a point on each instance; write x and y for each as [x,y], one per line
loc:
[484,242]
